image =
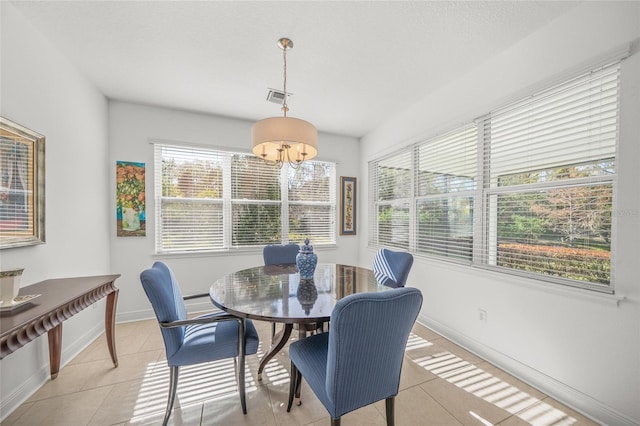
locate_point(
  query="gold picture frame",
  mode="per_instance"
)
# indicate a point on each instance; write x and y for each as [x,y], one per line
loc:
[21,185]
[348,216]
[346,281]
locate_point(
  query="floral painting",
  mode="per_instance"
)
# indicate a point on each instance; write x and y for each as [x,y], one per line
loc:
[130,199]
[347,205]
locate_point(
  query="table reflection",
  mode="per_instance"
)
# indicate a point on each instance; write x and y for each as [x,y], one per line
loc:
[271,293]
[307,294]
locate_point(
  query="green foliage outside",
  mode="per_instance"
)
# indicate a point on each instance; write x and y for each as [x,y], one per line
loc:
[529,229]
[191,179]
[255,224]
[565,262]
[563,231]
[255,199]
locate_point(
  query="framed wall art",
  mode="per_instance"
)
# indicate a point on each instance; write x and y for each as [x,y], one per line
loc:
[346,281]
[347,205]
[130,199]
[21,185]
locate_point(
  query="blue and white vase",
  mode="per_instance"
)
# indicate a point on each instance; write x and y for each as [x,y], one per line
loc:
[306,260]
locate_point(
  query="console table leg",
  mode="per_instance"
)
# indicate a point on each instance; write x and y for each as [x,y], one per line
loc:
[109,324]
[55,348]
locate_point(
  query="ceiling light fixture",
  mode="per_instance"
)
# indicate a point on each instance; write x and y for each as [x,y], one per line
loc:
[284,139]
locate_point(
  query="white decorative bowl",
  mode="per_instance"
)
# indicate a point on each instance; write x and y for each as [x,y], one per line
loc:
[9,285]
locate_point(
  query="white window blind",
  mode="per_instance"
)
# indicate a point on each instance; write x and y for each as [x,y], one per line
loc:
[312,202]
[16,192]
[550,163]
[528,189]
[446,171]
[256,205]
[209,200]
[189,191]
[391,192]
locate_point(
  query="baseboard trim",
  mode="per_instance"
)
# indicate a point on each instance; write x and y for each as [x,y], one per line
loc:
[145,314]
[41,375]
[11,402]
[576,400]
[141,315]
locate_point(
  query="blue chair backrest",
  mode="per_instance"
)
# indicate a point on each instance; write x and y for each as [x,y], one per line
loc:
[280,254]
[367,341]
[166,298]
[391,268]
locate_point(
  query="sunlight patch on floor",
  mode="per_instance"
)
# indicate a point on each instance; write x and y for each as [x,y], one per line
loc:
[274,371]
[492,389]
[479,418]
[416,342]
[196,384]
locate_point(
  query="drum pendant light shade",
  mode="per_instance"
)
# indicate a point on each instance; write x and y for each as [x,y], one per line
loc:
[295,138]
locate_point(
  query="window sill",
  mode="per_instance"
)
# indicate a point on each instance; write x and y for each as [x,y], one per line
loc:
[230,252]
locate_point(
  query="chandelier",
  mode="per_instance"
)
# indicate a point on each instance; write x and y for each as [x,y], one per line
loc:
[284,139]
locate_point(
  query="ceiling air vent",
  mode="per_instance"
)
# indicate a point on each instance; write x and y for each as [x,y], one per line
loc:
[276,96]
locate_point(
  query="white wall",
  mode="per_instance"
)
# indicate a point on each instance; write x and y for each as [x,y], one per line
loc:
[583,349]
[85,136]
[42,91]
[131,127]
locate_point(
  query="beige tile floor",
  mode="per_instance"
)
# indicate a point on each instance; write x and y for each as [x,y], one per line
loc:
[441,384]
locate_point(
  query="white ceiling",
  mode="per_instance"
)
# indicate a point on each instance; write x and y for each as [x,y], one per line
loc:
[353,63]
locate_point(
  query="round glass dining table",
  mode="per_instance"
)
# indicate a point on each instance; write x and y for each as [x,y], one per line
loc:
[275,293]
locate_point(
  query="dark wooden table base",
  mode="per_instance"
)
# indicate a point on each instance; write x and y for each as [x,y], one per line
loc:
[281,338]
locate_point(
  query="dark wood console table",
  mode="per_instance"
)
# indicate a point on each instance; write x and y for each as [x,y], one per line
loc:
[60,299]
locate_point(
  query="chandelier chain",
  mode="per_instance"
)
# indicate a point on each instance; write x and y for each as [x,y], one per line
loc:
[285,108]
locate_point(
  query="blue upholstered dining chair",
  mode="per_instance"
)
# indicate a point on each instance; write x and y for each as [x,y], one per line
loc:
[279,254]
[354,364]
[205,338]
[391,268]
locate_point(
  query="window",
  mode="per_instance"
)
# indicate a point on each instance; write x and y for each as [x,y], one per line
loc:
[209,200]
[391,194]
[445,188]
[526,189]
[255,201]
[21,185]
[312,202]
[550,167]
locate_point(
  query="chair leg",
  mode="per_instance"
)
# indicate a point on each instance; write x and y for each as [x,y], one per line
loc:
[335,422]
[292,385]
[241,377]
[273,332]
[298,386]
[173,387]
[390,410]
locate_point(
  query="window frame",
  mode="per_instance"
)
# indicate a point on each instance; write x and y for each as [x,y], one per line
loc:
[484,221]
[228,202]
[28,227]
